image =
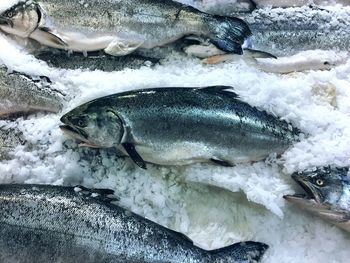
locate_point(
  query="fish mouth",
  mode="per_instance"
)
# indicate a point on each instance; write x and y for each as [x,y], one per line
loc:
[5,22]
[75,133]
[309,195]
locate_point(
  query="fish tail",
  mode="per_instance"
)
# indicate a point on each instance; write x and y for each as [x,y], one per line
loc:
[248,252]
[229,33]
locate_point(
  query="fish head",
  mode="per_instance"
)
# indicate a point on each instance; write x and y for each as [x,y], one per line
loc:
[324,185]
[21,20]
[326,192]
[95,126]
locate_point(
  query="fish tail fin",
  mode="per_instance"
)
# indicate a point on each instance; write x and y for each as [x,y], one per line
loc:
[248,252]
[229,33]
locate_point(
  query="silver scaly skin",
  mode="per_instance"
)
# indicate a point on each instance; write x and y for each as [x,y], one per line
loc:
[118,27]
[55,224]
[288,31]
[20,94]
[327,194]
[179,126]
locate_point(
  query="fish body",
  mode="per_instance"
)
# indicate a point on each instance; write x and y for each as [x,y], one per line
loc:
[327,194]
[179,126]
[20,94]
[118,27]
[43,224]
[285,32]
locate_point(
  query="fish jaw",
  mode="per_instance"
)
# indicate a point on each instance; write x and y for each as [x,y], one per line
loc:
[308,188]
[77,134]
[338,217]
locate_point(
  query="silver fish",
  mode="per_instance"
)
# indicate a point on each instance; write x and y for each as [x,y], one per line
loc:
[327,194]
[285,32]
[118,27]
[43,224]
[179,126]
[20,94]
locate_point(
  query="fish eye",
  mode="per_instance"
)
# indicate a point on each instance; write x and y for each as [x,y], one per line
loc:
[319,182]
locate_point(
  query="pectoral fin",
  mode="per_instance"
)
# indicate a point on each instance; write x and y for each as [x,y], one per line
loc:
[130,149]
[221,162]
[220,58]
[122,47]
[46,36]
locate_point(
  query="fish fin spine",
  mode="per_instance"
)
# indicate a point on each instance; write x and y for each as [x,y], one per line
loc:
[219,90]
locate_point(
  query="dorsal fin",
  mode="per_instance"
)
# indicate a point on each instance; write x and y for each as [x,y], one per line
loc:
[105,195]
[219,90]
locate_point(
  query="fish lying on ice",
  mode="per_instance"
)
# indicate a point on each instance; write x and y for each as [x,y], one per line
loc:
[327,194]
[54,224]
[118,27]
[20,94]
[285,32]
[302,61]
[179,126]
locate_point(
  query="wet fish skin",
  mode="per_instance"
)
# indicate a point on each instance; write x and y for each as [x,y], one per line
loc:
[43,224]
[179,126]
[285,32]
[120,27]
[327,194]
[20,94]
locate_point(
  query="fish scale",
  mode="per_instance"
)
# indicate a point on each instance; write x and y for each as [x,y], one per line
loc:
[43,224]
[178,126]
[119,27]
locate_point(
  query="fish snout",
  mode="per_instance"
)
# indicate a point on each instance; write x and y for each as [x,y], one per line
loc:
[5,22]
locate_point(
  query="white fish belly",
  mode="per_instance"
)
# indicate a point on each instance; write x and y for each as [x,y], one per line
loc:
[191,152]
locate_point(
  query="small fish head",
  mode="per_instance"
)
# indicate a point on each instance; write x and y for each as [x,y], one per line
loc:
[21,20]
[325,185]
[95,126]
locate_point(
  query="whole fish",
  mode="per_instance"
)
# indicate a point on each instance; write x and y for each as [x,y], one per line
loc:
[20,94]
[179,126]
[327,194]
[118,27]
[285,32]
[54,224]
